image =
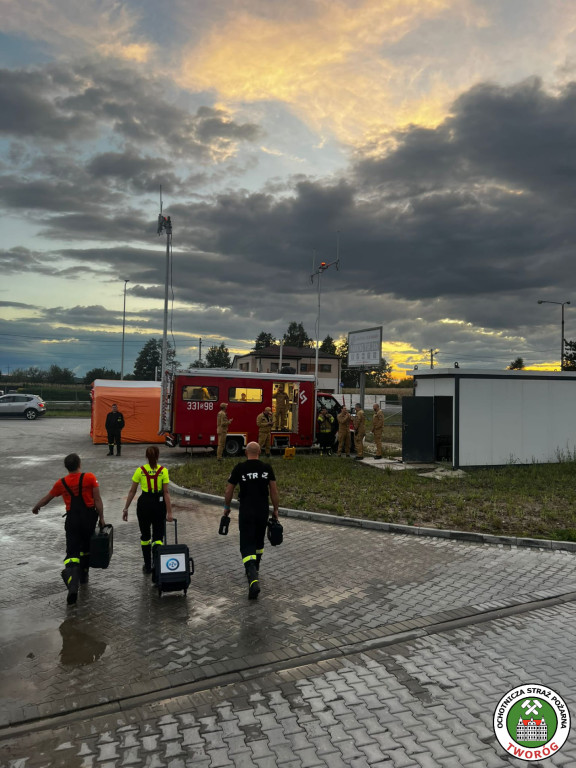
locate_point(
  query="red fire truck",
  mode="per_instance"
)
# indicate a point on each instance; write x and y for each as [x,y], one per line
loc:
[197,394]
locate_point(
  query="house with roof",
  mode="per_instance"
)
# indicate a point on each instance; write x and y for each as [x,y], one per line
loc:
[299,359]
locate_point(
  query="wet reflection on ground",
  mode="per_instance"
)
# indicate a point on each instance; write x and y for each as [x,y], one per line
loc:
[78,647]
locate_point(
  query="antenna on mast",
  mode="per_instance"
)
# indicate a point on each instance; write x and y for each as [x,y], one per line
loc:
[165,225]
[164,222]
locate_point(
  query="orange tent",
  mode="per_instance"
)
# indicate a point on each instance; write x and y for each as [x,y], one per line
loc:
[139,401]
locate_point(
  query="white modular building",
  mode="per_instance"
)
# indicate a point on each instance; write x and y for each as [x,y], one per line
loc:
[486,418]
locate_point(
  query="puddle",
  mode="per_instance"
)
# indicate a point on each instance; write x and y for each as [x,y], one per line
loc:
[29,638]
[78,647]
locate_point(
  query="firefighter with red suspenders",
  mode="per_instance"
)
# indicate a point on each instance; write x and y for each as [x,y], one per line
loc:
[153,507]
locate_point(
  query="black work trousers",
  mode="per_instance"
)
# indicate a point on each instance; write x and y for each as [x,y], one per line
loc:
[79,528]
[151,513]
[252,523]
[115,439]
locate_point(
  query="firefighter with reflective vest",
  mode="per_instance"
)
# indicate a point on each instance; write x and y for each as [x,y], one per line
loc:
[81,495]
[324,428]
[257,487]
[154,506]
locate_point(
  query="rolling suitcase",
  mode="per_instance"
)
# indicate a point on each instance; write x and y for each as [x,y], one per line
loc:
[173,565]
[101,546]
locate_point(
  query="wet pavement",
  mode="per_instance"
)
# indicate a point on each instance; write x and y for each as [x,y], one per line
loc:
[364,648]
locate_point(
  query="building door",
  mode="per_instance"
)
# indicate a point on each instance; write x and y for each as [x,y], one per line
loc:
[418,429]
[443,428]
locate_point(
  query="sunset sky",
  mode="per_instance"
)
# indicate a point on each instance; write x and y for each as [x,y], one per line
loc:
[438,137]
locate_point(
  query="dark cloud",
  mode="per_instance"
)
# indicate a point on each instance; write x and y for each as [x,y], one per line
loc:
[139,173]
[16,305]
[42,194]
[447,241]
[26,108]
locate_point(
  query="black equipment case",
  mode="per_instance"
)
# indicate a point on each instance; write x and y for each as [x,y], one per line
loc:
[101,546]
[173,565]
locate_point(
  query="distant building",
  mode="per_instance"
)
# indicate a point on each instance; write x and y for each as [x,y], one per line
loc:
[299,359]
[531,730]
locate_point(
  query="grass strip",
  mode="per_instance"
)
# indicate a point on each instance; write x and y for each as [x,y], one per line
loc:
[535,501]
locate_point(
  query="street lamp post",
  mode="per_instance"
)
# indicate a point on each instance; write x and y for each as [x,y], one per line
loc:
[126,281]
[318,273]
[561,304]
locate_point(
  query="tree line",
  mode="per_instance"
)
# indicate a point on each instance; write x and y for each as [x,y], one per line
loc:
[148,362]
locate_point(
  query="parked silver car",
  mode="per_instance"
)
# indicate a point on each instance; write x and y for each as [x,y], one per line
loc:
[30,406]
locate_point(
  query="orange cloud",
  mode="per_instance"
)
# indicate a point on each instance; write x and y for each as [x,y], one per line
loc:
[329,67]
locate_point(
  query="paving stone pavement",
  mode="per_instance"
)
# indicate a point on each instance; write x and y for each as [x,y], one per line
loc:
[301,677]
[425,703]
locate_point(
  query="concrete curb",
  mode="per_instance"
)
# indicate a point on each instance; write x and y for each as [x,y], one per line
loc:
[409,530]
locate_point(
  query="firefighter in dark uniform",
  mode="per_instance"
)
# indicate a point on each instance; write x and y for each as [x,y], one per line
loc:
[82,512]
[154,506]
[324,428]
[256,479]
[114,425]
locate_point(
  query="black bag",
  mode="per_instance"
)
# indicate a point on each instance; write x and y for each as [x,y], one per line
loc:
[224,523]
[101,547]
[275,532]
[173,565]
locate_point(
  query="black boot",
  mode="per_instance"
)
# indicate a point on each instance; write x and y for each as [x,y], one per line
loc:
[84,568]
[110,450]
[258,558]
[71,577]
[147,555]
[252,576]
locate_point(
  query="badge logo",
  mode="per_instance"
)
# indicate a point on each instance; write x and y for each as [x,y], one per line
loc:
[173,564]
[531,722]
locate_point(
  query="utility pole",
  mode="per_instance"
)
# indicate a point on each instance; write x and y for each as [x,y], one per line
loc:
[165,225]
[431,358]
[318,273]
[123,329]
[199,350]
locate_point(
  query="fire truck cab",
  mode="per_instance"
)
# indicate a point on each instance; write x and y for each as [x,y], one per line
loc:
[197,394]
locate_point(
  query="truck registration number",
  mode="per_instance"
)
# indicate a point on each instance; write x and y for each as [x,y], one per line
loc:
[199,406]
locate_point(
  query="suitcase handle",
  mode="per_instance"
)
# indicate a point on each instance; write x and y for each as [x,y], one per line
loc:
[175,521]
